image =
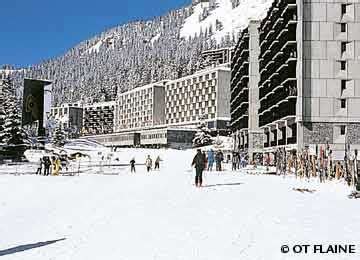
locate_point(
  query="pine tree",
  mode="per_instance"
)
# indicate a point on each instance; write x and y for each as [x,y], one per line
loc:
[202,137]
[2,113]
[14,133]
[14,138]
[59,137]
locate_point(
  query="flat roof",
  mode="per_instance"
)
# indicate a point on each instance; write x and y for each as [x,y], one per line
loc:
[201,72]
[151,85]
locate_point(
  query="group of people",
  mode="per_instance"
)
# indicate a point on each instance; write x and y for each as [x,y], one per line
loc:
[148,164]
[212,157]
[238,161]
[51,165]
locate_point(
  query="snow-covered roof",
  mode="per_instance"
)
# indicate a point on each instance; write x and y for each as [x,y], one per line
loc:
[151,85]
[101,104]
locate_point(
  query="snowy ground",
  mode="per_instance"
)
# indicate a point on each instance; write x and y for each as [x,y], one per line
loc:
[163,216]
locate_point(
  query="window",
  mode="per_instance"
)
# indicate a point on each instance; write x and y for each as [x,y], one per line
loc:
[343,27]
[343,65]
[343,47]
[342,130]
[343,85]
[343,9]
[343,103]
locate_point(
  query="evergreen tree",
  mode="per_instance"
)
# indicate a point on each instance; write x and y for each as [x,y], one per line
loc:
[59,137]
[2,113]
[14,138]
[202,137]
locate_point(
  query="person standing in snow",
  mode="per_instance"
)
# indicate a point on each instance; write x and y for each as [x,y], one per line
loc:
[205,160]
[38,171]
[157,163]
[148,163]
[132,165]
[210,158]
[219,157]
[199,163]
[235,161]
[47,164]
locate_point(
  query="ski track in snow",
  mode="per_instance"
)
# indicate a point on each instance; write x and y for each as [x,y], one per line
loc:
[162,215]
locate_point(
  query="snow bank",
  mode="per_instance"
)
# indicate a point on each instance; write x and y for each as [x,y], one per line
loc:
[161,215]
[232,20]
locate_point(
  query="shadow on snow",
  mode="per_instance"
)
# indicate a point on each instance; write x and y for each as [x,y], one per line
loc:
[223,184]
[22,248]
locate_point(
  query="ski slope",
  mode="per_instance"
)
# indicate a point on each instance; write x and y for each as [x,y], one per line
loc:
[233,20]
[163,216]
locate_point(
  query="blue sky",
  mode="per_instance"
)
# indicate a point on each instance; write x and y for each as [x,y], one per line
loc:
[34,30]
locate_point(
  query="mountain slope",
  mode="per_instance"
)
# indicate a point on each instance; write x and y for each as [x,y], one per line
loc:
[141,52]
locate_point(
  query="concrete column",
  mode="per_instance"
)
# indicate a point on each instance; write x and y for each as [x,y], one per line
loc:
[255,140]
[273,133]
[279,132]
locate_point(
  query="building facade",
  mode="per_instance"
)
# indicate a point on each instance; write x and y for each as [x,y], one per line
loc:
[98,118]
[244,102]
[160,136]
[201,97]
[141,107]
[69,116]
[216,57]
[309,85]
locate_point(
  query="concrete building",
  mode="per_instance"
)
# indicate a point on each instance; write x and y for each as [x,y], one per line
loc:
[309,85]
[201,97]
[157,136]
[98,118]
[141,107]
[244,103]
[216,57]
[70,116]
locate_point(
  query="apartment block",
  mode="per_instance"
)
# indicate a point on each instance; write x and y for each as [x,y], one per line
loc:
[98,118]
[69,115]
[309,86]
[244,103]
[278,63]
[201,97]
[216,57]
[141,107]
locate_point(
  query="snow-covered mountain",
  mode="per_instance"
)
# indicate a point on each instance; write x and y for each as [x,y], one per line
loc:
[141,52]
[223,17]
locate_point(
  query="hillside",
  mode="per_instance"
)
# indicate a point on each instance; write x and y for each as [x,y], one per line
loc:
[141,52]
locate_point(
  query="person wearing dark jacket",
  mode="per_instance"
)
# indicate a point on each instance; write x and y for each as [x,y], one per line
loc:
[199,164]
[219,157]
[132,165]
[47,164]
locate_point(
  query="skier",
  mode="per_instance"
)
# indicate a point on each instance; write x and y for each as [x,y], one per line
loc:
[267,162]
[38,171]
[219,157]
[56,165]
[211,159]
[64,162]
[157,163]
[205,160]
[234,161]
[47,164]
[132,165]
[198,162]
[148,163]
